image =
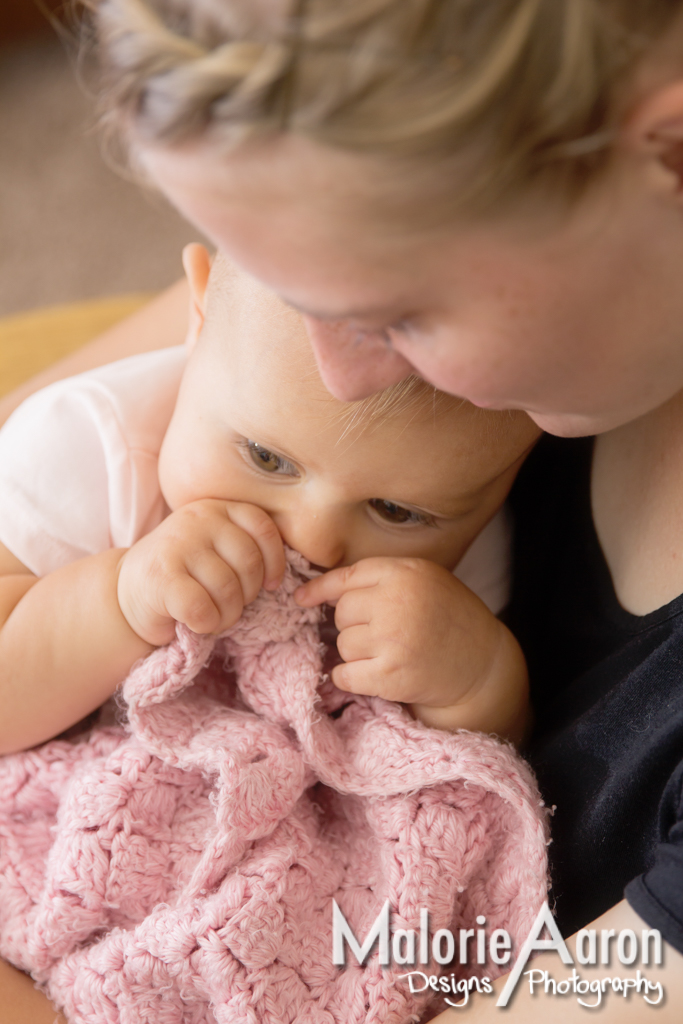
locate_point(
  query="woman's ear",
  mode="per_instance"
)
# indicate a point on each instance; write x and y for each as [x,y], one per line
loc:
[197,264]
[655,131]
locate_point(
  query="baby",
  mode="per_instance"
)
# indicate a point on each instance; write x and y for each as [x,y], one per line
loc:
[132,503]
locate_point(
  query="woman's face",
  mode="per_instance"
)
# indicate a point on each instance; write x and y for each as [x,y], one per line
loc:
[578,321]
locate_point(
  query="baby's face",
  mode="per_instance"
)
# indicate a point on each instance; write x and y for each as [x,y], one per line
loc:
[254,423]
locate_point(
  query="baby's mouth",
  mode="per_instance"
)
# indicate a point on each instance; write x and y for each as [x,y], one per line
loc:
[318,568]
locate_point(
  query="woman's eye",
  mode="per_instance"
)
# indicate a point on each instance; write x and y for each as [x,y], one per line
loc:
[393,513]
[399,327]
[269,461]
[387,334]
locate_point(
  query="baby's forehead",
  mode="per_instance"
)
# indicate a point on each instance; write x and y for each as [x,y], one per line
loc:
[228,282]
[255,330]
[451,429]
[234,296]
[225,282]
[263,337]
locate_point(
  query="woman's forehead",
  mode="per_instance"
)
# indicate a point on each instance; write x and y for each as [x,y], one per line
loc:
[369,201]
[305,219]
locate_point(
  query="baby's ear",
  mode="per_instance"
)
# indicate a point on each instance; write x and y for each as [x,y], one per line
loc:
[197,264]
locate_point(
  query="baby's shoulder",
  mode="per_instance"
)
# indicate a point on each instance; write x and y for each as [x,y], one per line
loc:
[130,401]
[78,461]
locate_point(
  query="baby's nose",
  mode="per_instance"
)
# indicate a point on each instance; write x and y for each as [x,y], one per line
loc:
[319,539]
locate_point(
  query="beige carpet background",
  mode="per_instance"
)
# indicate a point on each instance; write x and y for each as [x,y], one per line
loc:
[70,227]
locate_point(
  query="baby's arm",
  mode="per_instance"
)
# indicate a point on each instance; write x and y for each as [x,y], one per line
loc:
[64,646]
[410,631]
[69,638]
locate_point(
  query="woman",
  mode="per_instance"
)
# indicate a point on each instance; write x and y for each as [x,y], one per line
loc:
[490,193]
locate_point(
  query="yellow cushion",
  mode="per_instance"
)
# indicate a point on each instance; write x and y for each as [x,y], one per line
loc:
[30,342]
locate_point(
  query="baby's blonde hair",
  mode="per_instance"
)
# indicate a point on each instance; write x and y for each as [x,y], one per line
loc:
[528,86]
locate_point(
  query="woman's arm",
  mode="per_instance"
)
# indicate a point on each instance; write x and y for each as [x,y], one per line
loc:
[159,324]
[524,1008]
[21,1001]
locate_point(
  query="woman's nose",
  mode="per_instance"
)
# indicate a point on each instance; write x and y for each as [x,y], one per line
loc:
[319,538]
[354,364]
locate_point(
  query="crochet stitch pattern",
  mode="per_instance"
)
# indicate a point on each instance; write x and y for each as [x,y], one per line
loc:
[180,868]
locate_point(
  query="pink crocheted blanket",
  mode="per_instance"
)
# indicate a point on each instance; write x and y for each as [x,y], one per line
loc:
[181,869]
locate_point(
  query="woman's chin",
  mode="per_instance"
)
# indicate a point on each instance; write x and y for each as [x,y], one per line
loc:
[572,424]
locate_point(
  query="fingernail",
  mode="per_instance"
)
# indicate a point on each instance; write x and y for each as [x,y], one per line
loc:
[271,584]
[300,594]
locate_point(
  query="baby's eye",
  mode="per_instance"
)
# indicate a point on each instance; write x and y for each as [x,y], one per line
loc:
[269,461]
[393,513]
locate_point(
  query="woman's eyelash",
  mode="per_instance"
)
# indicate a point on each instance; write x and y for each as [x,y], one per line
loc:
[400,327]
[398,514]
[266,460]
[385,333]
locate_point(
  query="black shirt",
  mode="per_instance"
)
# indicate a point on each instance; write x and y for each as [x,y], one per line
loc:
[607,689]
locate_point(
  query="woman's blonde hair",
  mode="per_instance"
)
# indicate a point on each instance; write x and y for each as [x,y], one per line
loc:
[527,87]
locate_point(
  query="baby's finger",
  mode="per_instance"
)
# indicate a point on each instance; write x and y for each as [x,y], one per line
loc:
[357,677]
[327,589]
[356,607]
[185,600]
[242,556]
[356,643]
[265,534]
[221,583]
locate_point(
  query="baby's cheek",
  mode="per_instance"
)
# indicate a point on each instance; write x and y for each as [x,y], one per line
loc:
[183,475]
[449,549]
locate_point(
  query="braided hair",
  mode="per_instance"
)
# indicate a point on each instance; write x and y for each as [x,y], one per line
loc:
[530,85]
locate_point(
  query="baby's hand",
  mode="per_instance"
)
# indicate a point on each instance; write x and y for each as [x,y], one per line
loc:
[200,566]
[411,632]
